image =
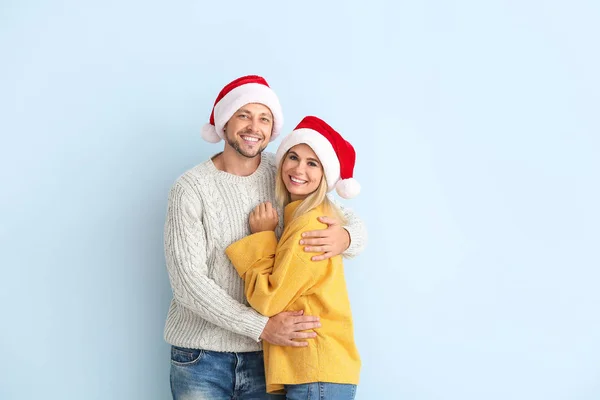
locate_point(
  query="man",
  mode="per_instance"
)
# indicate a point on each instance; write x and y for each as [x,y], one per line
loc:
[215,337]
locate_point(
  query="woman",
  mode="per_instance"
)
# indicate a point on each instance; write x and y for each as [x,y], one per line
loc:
[279,276]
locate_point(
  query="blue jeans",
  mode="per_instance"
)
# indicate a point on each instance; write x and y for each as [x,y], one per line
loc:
[202,374]
[321,391]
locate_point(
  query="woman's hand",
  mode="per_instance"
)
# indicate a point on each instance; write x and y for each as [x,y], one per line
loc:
[263,218]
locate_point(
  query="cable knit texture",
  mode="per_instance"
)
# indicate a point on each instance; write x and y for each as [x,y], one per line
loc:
[207,211]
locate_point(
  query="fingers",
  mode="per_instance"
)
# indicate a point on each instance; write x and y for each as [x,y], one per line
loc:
[305,318]
[306,326]
[329,220]
[274,214]
[270,211]
[323,233]
[303,335]
[294,343]
[318,249]
[265,210]
[252,220]
[315,241]
[255,214]
[314,234]
[318,245]
[323,256]
[294,329]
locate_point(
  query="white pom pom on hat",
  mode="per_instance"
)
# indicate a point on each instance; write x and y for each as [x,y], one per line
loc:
[209,133]
[236,94]
[348,188]
[337,155]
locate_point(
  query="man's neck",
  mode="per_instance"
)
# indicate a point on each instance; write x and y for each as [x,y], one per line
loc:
[234,163]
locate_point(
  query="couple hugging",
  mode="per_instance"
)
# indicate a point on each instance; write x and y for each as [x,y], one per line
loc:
[250,227]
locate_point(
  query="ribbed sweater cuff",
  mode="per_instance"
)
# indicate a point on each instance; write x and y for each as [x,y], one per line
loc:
[357,240]
[256,325]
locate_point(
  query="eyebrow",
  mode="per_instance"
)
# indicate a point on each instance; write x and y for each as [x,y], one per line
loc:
[308,158]
[244,111]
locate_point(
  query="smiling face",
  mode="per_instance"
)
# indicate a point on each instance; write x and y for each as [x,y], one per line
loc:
[249,130]
[301,172]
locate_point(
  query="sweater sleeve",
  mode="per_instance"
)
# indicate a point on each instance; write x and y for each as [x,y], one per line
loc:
[186,256]
[356,229]
[274,276]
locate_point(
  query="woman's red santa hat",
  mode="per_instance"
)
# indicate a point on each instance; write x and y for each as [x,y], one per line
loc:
[242,91]
[337,156]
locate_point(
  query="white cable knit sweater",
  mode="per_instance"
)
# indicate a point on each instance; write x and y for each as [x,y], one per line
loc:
[208,210]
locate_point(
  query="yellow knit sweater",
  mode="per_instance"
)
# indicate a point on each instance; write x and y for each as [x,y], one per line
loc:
[282,277]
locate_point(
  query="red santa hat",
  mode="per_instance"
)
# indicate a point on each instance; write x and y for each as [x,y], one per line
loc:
[337,156]
[242,91]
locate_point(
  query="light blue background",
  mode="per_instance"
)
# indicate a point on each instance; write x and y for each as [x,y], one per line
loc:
[477,129]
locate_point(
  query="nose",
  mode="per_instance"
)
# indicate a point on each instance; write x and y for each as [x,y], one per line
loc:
[299,169]
[254,126]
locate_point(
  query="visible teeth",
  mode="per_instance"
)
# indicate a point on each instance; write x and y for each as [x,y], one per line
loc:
[296,180]
[250,139]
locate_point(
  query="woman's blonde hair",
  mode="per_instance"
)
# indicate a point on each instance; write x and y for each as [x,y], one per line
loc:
[313,200]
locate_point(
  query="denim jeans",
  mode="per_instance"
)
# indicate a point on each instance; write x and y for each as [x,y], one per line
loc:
[202,374]
[321,391]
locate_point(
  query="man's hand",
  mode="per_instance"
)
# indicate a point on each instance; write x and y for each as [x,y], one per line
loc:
[331,242]
[283,328]
[263,218]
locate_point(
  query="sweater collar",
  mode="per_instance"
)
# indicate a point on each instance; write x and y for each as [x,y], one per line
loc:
[262,170]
